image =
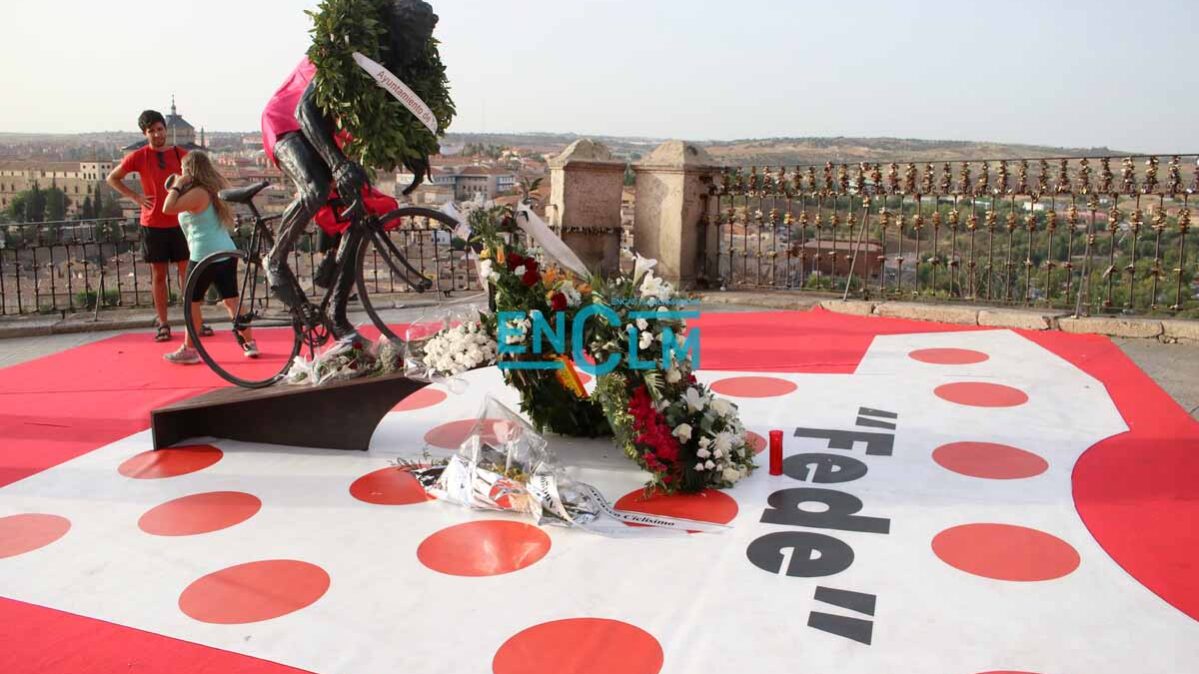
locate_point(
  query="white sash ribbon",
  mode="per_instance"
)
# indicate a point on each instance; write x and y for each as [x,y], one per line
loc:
[398,91]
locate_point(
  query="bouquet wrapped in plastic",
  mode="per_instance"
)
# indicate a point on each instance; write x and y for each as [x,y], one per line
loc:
[505,465]
[346,359]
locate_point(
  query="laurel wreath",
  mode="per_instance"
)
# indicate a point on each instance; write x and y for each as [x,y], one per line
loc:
[383,133]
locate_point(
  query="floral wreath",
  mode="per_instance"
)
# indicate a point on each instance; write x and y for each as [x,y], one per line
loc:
[674,427]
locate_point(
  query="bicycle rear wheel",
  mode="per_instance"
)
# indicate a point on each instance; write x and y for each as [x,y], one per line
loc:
[271,328]
[383,268]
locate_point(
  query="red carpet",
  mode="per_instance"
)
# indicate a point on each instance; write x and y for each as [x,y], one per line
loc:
[1138,493]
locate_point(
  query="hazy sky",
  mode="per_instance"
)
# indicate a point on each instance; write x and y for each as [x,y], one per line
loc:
[1067,72]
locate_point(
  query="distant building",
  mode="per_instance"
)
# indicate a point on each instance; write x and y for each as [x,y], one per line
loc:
[77,180]
[179,132]
[836,257]
[459,183]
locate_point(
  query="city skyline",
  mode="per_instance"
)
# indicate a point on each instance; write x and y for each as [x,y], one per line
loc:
[656,69]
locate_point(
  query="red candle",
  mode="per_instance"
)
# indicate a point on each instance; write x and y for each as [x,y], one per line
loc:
[776,452]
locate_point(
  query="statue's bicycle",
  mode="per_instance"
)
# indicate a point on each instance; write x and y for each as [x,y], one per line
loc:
[282,333]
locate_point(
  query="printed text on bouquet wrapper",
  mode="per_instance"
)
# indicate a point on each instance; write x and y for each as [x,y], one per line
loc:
[543,333]
[808,554]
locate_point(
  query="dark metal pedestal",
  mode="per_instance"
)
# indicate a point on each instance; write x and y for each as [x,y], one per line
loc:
[341,415]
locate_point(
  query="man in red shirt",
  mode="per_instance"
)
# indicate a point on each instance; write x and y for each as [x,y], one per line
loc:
[163,242]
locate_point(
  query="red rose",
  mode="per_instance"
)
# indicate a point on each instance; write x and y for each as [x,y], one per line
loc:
[558,302]
[531,264]
[531,276]
[514,260]
[668,449]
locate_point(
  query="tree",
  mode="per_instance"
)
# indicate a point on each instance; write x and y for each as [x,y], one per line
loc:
[56,203]
[16,207]
[106,208]
[35,205]
[86,211]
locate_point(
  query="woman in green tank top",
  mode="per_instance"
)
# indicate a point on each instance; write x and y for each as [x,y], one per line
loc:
[205,219]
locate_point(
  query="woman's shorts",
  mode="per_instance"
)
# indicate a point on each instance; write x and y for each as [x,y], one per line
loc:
[223,275]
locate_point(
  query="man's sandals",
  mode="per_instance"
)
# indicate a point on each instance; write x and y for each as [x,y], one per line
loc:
[164,331]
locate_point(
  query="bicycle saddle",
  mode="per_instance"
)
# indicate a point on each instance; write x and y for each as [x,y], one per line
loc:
[242,195]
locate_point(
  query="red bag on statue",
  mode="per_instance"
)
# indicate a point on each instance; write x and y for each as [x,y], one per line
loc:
[376,202]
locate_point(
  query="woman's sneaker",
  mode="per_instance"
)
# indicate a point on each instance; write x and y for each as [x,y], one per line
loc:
[250,349]
[184,356]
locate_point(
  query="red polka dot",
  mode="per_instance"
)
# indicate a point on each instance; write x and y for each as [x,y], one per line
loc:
[981,394]
[426,397]
[389,486]
[989,460]
[1005,552]
[29,531]
[484,548]
[254,591]
[949,356]
[756,442]
[754,387]
[710,505]
[200,513]
[171,462]
[580,646]
[451,435]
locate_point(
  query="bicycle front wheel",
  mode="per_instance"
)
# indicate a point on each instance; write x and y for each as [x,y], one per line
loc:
[263,342]
[383,269]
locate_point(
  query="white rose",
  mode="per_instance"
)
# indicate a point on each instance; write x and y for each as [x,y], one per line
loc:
[718,454]
[731,474]
[673,375]
[699,466]
[703,453]
[705,441]
[642,324]
[683,432]
[722,407]
[647,339]
[709,464]
[519,271]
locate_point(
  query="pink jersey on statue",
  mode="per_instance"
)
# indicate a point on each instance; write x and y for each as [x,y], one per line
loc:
[279,118]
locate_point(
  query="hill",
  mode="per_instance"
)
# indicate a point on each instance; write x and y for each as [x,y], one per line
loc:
[744,152]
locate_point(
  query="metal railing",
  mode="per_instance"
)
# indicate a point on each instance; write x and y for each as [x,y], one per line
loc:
[1087,234]
[86,265]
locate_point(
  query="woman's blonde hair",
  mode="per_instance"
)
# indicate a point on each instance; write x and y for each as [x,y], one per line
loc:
[199,167]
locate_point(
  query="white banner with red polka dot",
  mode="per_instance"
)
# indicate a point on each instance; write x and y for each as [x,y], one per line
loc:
[925,524]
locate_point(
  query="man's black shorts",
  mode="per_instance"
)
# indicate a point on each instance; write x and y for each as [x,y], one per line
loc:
[164,244]
[223,275]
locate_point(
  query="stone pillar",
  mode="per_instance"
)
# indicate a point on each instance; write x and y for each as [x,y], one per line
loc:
[585,190]
[671,221]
